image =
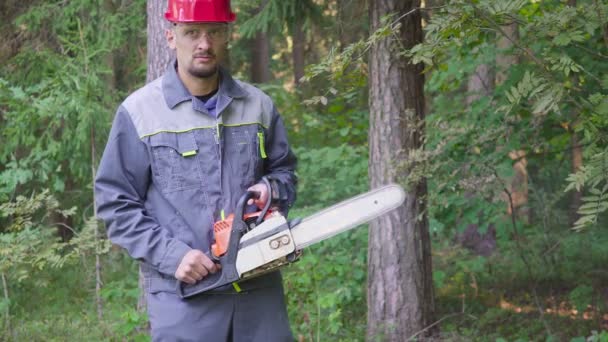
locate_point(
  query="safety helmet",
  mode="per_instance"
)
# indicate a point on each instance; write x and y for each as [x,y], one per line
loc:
[197,11]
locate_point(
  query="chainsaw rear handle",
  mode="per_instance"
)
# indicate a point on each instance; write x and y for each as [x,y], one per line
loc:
[228,273]
[268,201]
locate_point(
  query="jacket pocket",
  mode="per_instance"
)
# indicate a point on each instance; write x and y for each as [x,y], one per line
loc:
[242,153]
[155,281]
[175,161]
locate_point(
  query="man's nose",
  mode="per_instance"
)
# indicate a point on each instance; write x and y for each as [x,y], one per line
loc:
[204,42]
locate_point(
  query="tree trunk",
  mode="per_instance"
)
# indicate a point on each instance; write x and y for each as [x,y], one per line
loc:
[159,54]
[260,58]
[260,53]
[400,288]
[299,41]
[159,57]
[518,185]
[577,163]
[480,84]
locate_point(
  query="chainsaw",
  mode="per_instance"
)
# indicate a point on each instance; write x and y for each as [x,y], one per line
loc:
[249,245]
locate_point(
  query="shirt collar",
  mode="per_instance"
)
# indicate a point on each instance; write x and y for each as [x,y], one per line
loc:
[175,92]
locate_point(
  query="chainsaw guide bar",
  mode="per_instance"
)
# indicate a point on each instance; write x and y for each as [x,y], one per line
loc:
[276,242]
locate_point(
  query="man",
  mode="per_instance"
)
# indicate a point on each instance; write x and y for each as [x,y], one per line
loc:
[181,152]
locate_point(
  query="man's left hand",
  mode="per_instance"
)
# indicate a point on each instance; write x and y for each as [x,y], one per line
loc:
[263,197]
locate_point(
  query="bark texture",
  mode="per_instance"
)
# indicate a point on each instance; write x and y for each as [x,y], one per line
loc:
[159,54]
[480,84]
[260,53]
[400,289]
[299,42]
[260,58]
[159,57]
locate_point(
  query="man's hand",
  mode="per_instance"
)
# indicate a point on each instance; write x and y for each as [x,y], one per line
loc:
[195,265]
[260,202]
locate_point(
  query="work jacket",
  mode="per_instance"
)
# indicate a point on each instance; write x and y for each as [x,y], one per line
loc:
[170,169]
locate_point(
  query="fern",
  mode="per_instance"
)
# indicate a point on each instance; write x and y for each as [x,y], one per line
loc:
[595,176]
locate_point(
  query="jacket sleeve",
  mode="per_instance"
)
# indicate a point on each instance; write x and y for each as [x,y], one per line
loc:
[121,185]
[281,163]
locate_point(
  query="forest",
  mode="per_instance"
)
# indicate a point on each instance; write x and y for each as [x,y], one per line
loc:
[492,114]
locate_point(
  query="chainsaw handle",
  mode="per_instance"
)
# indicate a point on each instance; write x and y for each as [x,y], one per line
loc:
[228,273]
[268,201]
[241,205]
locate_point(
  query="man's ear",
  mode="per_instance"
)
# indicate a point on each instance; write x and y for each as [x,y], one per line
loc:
[170,36]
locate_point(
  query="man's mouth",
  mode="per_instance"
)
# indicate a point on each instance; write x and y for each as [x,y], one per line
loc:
[204,58]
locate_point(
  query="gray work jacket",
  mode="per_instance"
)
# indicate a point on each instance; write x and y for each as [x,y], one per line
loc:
[169,168]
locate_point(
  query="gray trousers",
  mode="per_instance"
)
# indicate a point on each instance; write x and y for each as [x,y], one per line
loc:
[258,316]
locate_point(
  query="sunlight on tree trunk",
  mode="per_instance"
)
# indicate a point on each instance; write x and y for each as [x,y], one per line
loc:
[400,288]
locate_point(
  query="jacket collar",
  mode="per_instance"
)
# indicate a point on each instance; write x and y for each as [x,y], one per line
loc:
[175,92]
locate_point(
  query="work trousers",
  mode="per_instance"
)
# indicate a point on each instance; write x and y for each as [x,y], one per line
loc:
[253,316]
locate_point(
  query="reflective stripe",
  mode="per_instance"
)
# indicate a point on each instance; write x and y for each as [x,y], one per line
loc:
[216,126]
[236,286]
[262,148]
[189,153]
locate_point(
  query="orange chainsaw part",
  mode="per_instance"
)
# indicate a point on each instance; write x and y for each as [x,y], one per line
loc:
[222,229]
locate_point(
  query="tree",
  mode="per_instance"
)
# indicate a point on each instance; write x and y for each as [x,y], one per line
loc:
[260,53]
[293,14]
[159,54]
[400,289]
[159,57]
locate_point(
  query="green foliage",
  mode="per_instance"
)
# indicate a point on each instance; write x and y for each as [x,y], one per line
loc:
[53,140]
[77,61]
[554,86]
[325,289]
[27,244]
[348,67]
[581,297]
[289,12]
[128,322]
[594,175]
[339,119]
[330,174]
[57,93]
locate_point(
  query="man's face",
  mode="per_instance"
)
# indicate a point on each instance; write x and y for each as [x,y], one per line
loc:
[200,47]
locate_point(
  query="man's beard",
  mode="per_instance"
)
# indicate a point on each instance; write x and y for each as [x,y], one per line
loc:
[202,73]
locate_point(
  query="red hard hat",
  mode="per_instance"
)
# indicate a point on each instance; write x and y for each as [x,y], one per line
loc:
[196,11]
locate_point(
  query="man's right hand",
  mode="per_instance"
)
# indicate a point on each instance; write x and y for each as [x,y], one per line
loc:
[195,265]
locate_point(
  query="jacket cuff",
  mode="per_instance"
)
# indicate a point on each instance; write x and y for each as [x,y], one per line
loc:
[173,257]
